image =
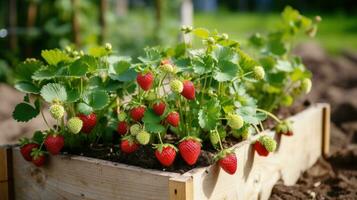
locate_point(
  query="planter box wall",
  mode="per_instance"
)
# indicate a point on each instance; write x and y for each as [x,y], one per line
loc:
[77,177]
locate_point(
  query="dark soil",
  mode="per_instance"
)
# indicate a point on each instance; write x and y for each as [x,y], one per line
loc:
[334,177]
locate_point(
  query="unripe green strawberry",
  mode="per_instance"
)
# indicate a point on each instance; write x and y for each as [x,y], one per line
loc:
[306,85]
[176,86]
[246,133]
[84,108]
[224,36]
[122,116]
[268,142]
[143,137]
[235,121]
[151,96]
[243,133]
[57,111]
[287,100]
[213,136]
[135,129]
[258,72]
[74,125]
[285,128]
[167,68]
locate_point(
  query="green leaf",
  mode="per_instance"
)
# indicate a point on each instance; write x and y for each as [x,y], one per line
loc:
[54,91]
[84,108]
[250,115]
[97,99]
[208,115]
[221,53]
[154,128]
[27,87]
[128,75]
[24,112]
[78,68]
[226,71]
[97,51]
[121,67]
[25,70]
[91,62]
[151,117]
[284,65]
[44,74]
[201,32]
[73,95]
[38,137]
[54,56]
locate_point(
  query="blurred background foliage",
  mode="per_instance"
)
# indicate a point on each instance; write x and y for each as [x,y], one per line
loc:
[28,26]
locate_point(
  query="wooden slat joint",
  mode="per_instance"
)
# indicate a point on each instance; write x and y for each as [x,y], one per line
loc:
[181,188]
[326,130]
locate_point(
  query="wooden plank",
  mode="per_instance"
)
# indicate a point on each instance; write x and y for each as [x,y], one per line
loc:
[326,130]
[6,183]
[4,188]
[76,177]
[257,175]
[3,165]
[181,188]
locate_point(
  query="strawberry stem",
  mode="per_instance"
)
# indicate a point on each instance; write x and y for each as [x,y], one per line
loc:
[256,128]
[160,138]
[269,114]
[219,139]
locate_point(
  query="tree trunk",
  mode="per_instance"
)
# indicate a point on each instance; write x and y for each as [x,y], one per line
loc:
[75,24]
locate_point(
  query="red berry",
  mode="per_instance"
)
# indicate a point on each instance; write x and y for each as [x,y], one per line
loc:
[145,81]
[173,118]
[54,143]
[128,146]
[190,150]
[260,149]
[39,160]
[137,113]
[122,128]
[27,149]
[159,108]
[167,156]
[229,163]
[188,90]
[89,122]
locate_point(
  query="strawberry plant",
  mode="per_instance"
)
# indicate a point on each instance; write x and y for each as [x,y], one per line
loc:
[192,98]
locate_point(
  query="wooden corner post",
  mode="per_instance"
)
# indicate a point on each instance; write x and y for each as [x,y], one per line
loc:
[326,130]
[6,180]
[181,188]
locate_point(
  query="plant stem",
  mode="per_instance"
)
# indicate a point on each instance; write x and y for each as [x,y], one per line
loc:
[219,139]
[261,126]
[203,89]
[269,114]
[44,118]
[256,128]
[160,138]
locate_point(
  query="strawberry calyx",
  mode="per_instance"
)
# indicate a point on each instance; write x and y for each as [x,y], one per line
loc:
[191,138]
[160,147]
[285,128]
[222,154]
[37,153]
[24,141]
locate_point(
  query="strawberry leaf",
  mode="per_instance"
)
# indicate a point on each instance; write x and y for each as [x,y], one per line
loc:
[44,74]
[24,112]
[201,32]
[97,99]
[208,116]
[25,70]
[27,87]
[150,117]
[121,67]
[226,71]
[154,128]
[250,115]
[54,91]
[98,51]
[53,57]
[78,68]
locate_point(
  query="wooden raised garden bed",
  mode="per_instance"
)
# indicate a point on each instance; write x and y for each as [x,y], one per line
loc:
[77,177]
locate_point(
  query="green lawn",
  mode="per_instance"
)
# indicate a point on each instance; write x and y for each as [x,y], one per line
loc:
[336,32]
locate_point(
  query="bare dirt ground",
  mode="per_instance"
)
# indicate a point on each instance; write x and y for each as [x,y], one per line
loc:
[335,81]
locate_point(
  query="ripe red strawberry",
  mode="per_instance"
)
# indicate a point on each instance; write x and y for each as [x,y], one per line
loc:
[228,163]
[173,118]
[260,149]
[122,128]
[54,143]
[137,113]
[128,145]
[188,90]
[145,81]
[165,154]
[38,158]
[159,108]
[27,149]
[89,122]
[190,149]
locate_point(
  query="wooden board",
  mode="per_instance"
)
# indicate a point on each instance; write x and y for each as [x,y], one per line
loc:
[6,183]
[76,177]
[256,176]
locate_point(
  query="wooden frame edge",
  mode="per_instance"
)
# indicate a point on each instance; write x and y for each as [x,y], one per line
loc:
[181,188]
[6,174]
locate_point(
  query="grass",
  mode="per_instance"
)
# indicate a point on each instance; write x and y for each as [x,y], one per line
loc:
[336,32]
